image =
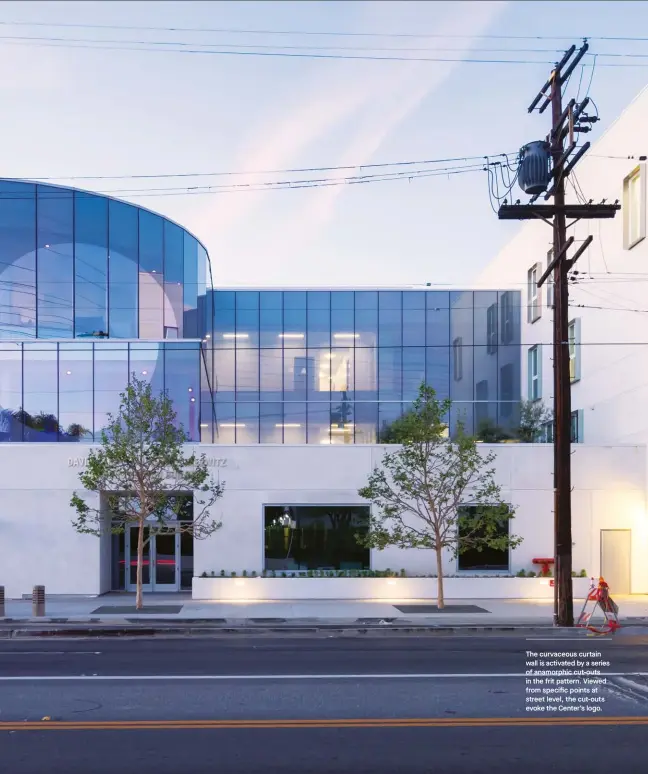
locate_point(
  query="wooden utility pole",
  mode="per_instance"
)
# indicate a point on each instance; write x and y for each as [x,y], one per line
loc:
[565,122]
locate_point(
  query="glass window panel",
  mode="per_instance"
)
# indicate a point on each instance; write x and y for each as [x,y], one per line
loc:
[91,264]
[55,263]
[224,374]
[151,280]
[299,373]
[294,325]
[123,259]
[17,260]
[225,299]
[461,316]
[190,294]
[366,373]
[207,423]
[271,368]
[387,413]
[366,299]
[11,392]
[202,268]
[437,318]
[294,299]
[319,327]
[462,412]
[318,299]
[40,382]
[366,422]
[76,392]
[483,300]
[294,423]
[342,378]
[319,376]
[437,370]
[366,327]
[110,379]
[319,423]
[271,328]
[342,422]
[225,423]
[343,327]
[247,374]
[414,327]
[146,361]
[342,299]
[173,311]
[182,385]
[413,299]
[173,253]
[413,371]
[224,327]
[247,299]
[270,299]
[151,241]
[247,423]
[247,328]
[390,373]
[390,326]
[390,299]
[271,422]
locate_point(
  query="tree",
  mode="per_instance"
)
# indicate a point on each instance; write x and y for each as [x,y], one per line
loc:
[418,491]
[140,469]
[533,415]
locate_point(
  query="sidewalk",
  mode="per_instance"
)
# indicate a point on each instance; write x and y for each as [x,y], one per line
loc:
[180,611]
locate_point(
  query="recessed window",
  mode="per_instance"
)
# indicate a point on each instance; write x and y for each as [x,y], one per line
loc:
[491,329]
[534,366]
[534,302]
[577,426]
[457,359]
[299,538]
[487,558]
[574,350]
[634,207]
[550,283]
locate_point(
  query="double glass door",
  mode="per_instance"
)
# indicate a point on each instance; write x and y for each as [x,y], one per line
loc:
[160,562]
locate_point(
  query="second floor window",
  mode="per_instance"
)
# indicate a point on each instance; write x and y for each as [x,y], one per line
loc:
[634,207]
[457,359]
[491,329]
[533,293]
[506,318]
[574,350]
[535,387]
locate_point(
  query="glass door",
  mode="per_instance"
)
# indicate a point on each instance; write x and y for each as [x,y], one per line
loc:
[160,561]
[166,561]
[131,560]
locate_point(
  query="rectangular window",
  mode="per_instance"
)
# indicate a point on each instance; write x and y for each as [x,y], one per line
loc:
[491,329]
[471,559]
[634,207]
[577,426]
[315,538]
[457,359]
[574,350]
[550,283]
[534,366]
[506,390]
[534,302]
[481,403]
[506,320]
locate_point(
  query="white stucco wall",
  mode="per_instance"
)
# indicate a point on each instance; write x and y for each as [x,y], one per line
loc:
[39,546]
[608,296]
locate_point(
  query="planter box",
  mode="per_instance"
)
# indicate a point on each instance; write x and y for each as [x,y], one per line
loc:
[277,589]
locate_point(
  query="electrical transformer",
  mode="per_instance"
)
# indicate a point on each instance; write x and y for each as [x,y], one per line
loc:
[533,172]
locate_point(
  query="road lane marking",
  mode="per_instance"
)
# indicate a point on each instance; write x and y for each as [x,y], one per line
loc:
[405,676]
[156,725]
[50,652]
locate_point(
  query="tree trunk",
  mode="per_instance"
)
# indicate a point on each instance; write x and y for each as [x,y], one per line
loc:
[440,598]
[140,560]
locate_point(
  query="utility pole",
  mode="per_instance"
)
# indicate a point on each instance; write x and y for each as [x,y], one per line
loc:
[565,122]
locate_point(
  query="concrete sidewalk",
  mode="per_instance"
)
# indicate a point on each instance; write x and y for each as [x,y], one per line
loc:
[180,610]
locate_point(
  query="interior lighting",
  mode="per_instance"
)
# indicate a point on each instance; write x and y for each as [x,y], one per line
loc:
[288,424]
[346,335]
[231,424]
[236,336]
[291,335]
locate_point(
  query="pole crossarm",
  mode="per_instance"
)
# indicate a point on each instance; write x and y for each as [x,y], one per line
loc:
[555,261]
[576,211]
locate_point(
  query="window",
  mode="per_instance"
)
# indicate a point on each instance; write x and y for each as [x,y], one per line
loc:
[457,359]
[506,390]
[577,426]
[488,558]
[574,350]
[547,433]
[534,366]
[315,537]
[507,317]
[491,329]
[634,207]
[481,405]
[550,283]
[534,302]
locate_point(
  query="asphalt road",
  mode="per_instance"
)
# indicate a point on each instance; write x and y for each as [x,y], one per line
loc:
[308,704]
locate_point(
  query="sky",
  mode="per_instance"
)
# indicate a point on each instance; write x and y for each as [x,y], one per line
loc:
[74,109]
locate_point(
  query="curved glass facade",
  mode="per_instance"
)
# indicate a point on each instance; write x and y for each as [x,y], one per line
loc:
[333,367]
[79,265]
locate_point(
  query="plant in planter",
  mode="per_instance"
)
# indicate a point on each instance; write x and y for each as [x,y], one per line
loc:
[222,573]
[418,491]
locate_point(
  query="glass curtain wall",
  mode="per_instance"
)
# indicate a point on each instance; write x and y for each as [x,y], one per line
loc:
[79,265]
[336,367]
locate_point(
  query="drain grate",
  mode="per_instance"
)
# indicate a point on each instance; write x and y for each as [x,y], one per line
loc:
[433,609]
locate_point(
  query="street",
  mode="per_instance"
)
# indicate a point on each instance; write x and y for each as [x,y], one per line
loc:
[328,704]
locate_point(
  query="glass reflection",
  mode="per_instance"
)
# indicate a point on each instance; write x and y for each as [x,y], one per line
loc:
[90,265]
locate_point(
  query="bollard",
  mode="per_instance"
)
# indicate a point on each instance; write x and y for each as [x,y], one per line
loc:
[38,601]
[2,602]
